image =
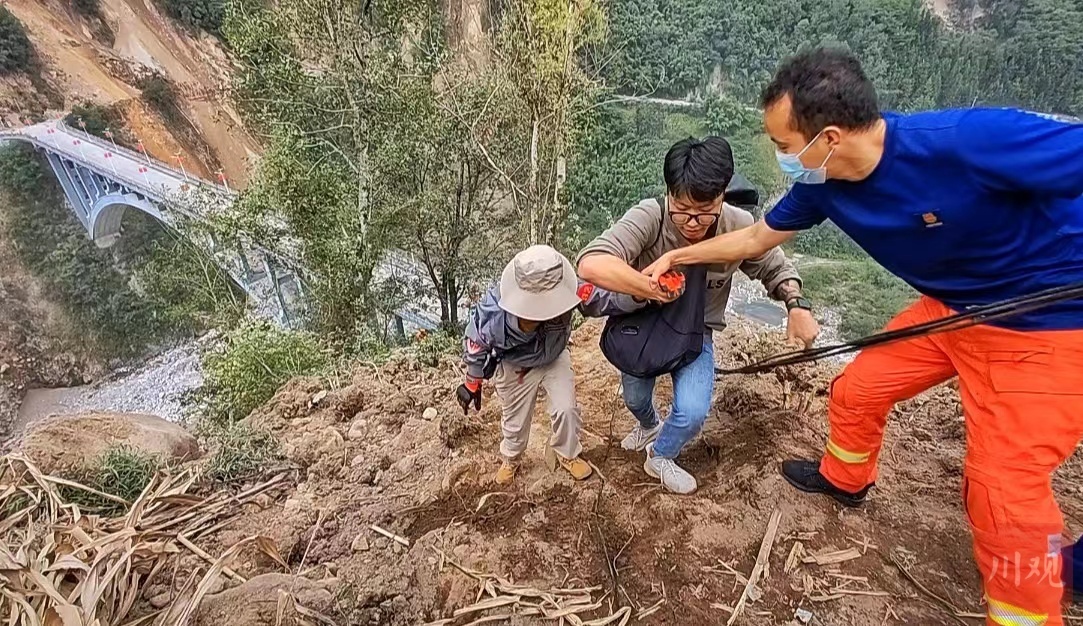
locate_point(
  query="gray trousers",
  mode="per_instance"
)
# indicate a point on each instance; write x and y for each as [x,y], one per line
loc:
[518,391]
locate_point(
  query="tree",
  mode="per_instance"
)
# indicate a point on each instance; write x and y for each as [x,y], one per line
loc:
[362,159]
[617,163]
[16,53]
[1038,59]
[753,152]
[202,14]
[434,174]
[536,70]
[663,47]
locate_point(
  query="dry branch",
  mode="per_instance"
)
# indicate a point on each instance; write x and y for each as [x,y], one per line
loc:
[761,563]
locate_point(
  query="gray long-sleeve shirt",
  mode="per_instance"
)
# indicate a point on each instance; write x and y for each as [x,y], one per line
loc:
[494,334]
[636,239]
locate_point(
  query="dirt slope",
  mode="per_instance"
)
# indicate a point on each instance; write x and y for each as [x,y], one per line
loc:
[368,456]
[83,68]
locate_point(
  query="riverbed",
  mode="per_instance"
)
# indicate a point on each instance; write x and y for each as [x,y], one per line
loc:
[157,387]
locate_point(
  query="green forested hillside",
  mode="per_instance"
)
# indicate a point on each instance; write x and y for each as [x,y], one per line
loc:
[370,150]
[1018,52]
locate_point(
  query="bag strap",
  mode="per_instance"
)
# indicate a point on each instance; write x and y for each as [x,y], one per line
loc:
[662,219]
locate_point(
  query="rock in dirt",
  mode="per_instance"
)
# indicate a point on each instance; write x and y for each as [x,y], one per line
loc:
[71,442]
[429,414]
[161,600]
[255,603]
[360,544]
[357,430]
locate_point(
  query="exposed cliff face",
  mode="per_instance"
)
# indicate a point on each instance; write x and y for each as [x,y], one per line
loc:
[101,61]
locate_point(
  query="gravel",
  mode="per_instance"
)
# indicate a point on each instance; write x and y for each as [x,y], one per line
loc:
[157,387]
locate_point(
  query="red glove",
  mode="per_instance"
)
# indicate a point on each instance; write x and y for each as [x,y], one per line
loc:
[469,393]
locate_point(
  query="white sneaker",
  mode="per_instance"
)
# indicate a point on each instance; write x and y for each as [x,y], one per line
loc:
[672,476]
[640,437]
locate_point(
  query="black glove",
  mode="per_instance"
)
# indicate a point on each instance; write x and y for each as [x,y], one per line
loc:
[465,396]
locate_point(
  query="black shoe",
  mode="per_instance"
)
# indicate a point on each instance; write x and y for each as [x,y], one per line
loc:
[806,476]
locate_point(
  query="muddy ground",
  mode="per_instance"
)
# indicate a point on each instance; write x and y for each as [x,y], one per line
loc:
[365,455]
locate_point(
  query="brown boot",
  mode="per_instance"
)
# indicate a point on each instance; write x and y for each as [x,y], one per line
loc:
[577,467]
[507,471]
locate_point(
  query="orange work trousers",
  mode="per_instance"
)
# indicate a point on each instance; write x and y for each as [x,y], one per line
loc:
[1022,396]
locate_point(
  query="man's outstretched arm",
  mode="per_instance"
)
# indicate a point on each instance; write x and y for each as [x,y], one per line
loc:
[614,274]
[746,243]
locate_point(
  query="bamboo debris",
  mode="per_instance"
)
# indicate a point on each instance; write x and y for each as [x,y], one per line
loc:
[572,606]
[60,566]
[832,558]
[761,564]
[390,535]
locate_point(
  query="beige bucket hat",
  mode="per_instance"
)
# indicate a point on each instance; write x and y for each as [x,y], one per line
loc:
[539,284]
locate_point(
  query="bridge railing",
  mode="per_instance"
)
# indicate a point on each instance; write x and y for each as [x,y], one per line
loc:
[143,158]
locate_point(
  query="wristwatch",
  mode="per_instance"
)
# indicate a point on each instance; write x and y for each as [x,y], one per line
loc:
[800,302]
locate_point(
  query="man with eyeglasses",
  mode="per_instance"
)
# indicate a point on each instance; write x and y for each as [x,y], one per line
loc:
[697,173]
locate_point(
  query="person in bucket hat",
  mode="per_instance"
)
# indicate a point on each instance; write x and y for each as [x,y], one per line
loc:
[518,336]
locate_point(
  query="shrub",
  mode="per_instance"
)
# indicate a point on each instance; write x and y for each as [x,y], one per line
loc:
[239,451]
[95,117]
[256,359]
[201,14]
[16,53]
[125,471]
[87,8]
[21,172]
[432,347]
[120,471]
[159,94]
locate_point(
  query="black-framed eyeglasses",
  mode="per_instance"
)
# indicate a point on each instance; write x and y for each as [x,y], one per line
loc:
[681,218]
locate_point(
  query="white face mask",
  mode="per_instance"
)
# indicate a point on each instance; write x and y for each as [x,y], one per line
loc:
[792,166]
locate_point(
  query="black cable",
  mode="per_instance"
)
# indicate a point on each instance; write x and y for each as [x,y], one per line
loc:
[971,317]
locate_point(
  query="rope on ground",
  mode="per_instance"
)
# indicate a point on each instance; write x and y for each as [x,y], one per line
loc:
[972,316]
[955,613]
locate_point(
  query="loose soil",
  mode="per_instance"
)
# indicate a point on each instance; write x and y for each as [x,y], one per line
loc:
[367,456]
[81,67]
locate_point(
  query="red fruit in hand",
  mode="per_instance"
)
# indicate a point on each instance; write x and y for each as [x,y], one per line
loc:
[672,281]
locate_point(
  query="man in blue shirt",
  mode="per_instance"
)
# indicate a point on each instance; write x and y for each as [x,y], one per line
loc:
[970,207]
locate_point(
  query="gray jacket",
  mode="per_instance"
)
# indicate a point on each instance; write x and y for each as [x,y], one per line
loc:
[493,334]
[643,235]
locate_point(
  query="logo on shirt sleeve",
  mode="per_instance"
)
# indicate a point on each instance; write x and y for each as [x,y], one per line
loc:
[931,219]
[585,291]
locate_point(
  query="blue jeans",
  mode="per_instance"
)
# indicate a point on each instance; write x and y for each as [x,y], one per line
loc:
[693,385]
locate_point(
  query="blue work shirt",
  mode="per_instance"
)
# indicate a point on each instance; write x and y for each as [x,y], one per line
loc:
[970,207]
